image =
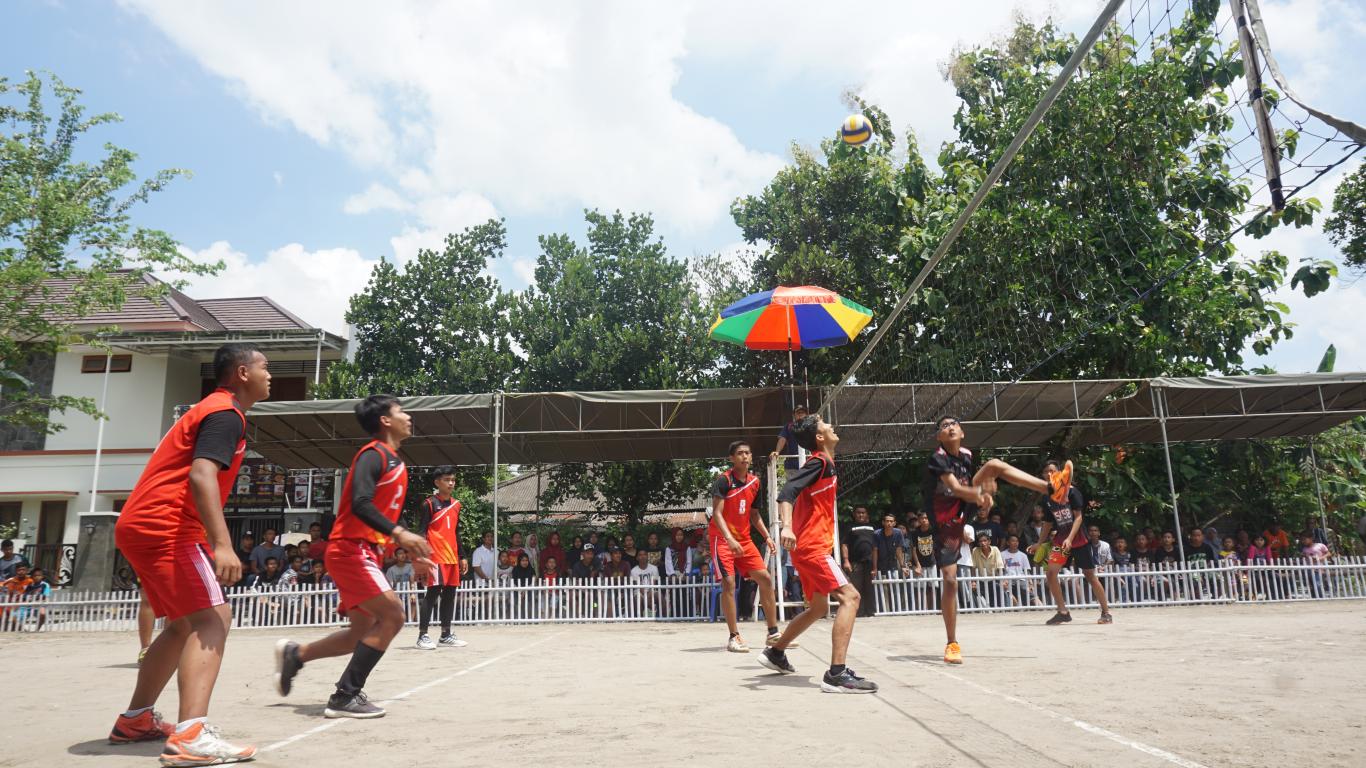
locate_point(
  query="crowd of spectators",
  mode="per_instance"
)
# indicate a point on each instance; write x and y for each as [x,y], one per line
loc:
[23,589]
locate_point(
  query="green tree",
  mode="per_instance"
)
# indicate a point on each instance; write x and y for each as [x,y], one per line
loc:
[68,244]
[1346,227]
[627,316]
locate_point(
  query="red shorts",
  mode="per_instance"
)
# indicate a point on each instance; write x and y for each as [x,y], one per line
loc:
[819,572]
[354,566]
[443,575]
[724,562]
[176,576]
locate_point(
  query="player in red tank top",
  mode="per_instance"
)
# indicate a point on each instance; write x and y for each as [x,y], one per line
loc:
[439,521]
[807,506]
[367,519]
[173,534]
[736,495]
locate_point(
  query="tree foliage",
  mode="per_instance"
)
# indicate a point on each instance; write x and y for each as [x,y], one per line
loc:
[70,220]
[1346,227]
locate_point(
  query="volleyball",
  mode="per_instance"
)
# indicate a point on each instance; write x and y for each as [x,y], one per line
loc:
[856,130]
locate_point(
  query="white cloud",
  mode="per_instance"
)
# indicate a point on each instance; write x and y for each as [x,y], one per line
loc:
[524,269]
[279,178]
[376,197]
[438,217]
[315,285]
[1313,39]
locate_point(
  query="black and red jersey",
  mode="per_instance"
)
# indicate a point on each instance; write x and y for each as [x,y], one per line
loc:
[940,503]
[739,494]
[811,491]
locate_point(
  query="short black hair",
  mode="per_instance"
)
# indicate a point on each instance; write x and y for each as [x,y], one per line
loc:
[7,543]
[369,411]
[442,471]
[270,560]
[735,446]
[805,432]
[227,357]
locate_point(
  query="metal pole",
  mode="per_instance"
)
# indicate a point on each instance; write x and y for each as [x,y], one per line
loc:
[497,423]
[318,361]
[774,526]
[1160,407]
[99,433]
[993,176]
[1318,490]
[1271,161]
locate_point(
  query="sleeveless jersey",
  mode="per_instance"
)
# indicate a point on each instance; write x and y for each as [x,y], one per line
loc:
[389,493]
[161,505]
[813,513]
[441,531]
[739,495]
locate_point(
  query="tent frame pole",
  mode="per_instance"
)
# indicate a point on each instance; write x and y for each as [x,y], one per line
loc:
[1160,408]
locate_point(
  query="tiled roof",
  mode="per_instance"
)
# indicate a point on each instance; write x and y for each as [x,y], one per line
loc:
[251,313]
[173,310]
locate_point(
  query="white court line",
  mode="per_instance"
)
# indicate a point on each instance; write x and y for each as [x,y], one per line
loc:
[1174,759]
[399,697]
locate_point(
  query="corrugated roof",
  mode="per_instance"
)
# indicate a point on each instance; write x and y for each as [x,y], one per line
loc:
[251,313]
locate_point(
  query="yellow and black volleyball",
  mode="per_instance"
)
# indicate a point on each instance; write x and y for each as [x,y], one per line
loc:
[856,130]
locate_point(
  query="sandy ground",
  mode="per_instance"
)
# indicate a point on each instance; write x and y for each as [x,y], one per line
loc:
[1194,686]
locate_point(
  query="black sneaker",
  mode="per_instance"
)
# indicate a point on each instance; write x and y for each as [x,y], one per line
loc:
[358,707]
[287,665]
[776,660]
[846,682]
[1059,618]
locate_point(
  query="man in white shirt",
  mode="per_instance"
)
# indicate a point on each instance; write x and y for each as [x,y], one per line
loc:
[645,572]
[484,564]
[1017,565]
[1100,549]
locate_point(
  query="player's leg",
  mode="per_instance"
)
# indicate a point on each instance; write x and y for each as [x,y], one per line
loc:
[818,604]
[946,557]
[840,678]
[429,606]
[159,664]
[195,742]
[448,608]
[1099,589]
[349,700]
[1052,572]
[768,600]
[723,571]
[147,620]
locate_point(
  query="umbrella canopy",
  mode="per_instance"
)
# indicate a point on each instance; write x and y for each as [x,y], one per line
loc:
[788,318]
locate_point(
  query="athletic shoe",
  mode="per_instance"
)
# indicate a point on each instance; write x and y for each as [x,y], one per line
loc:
[202,744]
[142,654]
[736,645]
[777,661]
[774,638]
[1060,482]
[1106,618]
[451,641]
[287,665]
[1059,618]
[953,654]
[846,682]
[358,707]
[145,726]
[425,643]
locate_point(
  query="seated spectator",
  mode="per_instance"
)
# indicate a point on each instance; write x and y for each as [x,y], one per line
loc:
[1033,529]
[986,561]
[516,549]
[37,592]
[551,572]
[1316,554]
[552,549]
[1017,564]
[245,547]
[1228,553]
[268,548]
[1123,558]
[401,572]
[1100,550]
[13,590]
[654,552]
[505,564]
[677,558]
[628,548]
[1243,541]
[269,575]
[1277,538]
[1167,553]
[290,578]
[522,572]
[605,553]
[290,551]
[616,566]
[484,564]
[9,561]
[321,577]
[645,571]
[1143,558]
[1200,552]
[586,567]
[317,545]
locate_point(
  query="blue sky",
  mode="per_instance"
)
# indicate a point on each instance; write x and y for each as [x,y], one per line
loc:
[322,136]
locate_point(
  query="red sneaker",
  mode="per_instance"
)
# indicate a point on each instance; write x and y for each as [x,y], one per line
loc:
[147,726]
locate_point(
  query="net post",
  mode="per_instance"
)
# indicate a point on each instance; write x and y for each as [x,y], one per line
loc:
[1271,160]
[774,524]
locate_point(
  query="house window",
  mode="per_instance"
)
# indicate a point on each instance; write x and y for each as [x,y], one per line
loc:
[117,363]
[9,516]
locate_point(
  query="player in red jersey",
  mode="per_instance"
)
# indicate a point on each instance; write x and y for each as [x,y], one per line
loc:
[733,511]
[807,506]
[173,533]
[371,501]
[439,521]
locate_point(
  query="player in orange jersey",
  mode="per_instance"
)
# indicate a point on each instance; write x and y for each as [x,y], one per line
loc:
[736,495]
[367,519]
[173,533]
[439,521]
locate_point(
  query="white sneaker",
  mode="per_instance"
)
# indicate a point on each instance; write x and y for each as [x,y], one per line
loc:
[451,641]
[202,744]
[771,639]
[425,643]
[736,645]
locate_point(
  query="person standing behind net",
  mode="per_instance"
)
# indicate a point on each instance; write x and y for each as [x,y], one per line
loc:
[372,499]
[787,443]
[733,554]
[173,533]
[806,505]
[439,520]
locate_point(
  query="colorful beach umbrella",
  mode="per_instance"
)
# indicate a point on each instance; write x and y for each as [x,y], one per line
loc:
[789,318]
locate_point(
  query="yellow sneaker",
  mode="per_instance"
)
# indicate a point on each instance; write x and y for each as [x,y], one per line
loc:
[953,654]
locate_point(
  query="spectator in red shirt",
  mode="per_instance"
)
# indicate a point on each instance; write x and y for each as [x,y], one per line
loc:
[552,550]
[317,545]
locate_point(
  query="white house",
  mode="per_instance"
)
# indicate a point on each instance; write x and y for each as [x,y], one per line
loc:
[159,357]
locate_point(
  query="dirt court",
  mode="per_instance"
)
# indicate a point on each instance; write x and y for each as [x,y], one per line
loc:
[1192,686]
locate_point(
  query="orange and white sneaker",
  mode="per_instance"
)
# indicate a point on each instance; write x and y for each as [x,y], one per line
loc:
[202,744]
[1060,482]
[145,726]
[953,654]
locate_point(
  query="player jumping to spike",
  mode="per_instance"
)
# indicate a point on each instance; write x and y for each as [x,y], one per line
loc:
[733,554]
[174,535]
[807,506]
[367,520]
[439,521]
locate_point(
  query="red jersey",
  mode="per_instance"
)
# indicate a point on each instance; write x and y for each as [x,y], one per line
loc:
[441,530]
[739,494]
[390,489]
[161,505]
[813,511]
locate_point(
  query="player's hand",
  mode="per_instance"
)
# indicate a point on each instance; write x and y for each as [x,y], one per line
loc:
[1029,550]
[422,567]
[848,567]
[1066,547]
[773,455]
[772,548]
[789,539]
[735,548]
[226,566]
[919,571]
[987,502]
[417,546]
[987,484]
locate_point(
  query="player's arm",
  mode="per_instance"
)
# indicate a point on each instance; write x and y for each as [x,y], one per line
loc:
[424,516]
[1045,532]
[778,449]
[968,493]
[719,488]
[215,445]
[369,469]
[797,482]
[756,520]
[1078,505]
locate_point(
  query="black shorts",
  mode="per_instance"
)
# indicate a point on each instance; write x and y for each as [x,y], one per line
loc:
[946,555]
[1082,559]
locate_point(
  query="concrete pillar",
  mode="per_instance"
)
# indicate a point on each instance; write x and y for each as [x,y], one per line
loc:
[95,552]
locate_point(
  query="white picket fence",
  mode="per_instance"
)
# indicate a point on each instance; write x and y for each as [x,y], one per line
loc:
[1168,584]
[615,600]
